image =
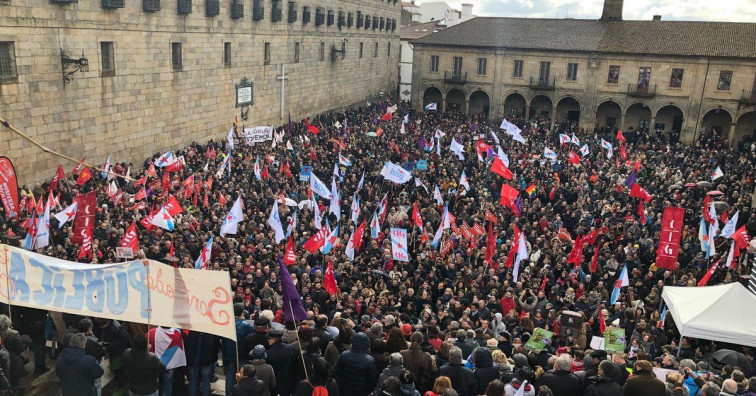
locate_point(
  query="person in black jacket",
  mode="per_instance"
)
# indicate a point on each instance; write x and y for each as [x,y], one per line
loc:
[462,345]
[77,370]
[201,355]
[462,379]
[115,338]
[280,357]
[485,371]
[143,368]
[355,369]
[560,380]
[248,383]
[604,384]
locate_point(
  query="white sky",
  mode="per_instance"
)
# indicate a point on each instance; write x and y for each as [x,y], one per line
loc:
[697,10]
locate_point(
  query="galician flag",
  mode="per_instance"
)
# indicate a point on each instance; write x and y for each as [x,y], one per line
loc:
[522,253]
[67,214]
[375,227]
[445,224]
[235,215]
[204,256]
[292,224]
[164,160]
[621,282]
[437,196]
[344,160]
[584,150]
[431,106]
[169,347]
[257,168]
[163,219]
[355,208]
[463,182]
[43,226]
[550,154]
[717,174]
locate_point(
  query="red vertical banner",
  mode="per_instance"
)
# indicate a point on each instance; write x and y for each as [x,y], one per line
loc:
[8,187]
[669,238]
[85,218]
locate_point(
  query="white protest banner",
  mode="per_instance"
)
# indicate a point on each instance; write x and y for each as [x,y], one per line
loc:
[135,291]
[124,252]
[399,244]
[257,134]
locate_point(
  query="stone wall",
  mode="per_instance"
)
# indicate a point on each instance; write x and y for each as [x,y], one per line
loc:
[146,107]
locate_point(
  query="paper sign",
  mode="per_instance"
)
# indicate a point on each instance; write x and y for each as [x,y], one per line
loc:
[124,252]
[538,340]
[614,339]
[257,134]
[597,343]
[399,244]
[304,173]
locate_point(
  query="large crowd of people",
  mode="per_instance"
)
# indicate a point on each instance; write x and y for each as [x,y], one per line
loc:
[446,322]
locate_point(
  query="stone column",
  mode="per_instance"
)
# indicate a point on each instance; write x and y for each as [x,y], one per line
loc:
[731,136]
[443,101]
[652,123]
[467,106]
[553,117]
[621,125]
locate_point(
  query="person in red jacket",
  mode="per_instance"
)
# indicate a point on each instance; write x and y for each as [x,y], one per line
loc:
[507,303]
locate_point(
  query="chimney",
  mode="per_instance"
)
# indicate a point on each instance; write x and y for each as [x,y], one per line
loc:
[612,10]
[657,17]
[466,11]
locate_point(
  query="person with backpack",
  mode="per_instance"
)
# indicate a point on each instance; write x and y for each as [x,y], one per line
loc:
[319,383]
[248,384]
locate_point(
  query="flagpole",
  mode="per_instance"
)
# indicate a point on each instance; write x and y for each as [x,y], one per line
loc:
[149,297]
[301,355]
[7,282]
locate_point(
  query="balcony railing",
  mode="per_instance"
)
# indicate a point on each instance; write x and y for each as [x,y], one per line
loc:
[748,98]
[643,91]
[455,77]
[543,85]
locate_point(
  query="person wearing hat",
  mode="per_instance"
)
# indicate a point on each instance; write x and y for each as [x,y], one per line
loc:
[644,382]
[248,384]
[264,370]
[259,337]
[280,357]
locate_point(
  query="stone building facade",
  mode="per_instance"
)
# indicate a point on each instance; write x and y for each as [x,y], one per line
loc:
[163,73]
[690,77]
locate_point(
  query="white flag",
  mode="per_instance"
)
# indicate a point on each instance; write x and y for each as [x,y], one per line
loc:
[230,138]
[318,187]
[513,130]
[522,253]
[275,223]
[463,181]
[437,196]
[502,156]
[395,173]
[399,250]
[355,208]
[717,174]
[457,148]
[362,181]
[445,223]
[68,214]
[318,218]
[43,227]
[418,183]
[729,229]
[235,215]
[335,206]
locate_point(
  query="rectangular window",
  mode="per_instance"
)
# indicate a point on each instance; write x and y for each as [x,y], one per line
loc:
[350,19]
[292,12]
[360,50]
[227,54]
[319,16]
[644,78]
[482,64]
[457,66]
[613,77]
[388,51]
[296,52]
[375,52]
[322,51]
[258,10]
[342,19]
[176,60]
[517,69]
[106,57]
[359,19]
[306,13]
[675,80]
[266,53]
[572,69]
[367,22]
[725,78]
[544,71]
[276,11]
[330,17]
[434,64]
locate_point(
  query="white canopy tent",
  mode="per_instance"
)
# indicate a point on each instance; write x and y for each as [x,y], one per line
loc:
[725,313]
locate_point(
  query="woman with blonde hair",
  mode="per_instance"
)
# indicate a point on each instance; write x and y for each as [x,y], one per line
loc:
[442,383]
[500,360]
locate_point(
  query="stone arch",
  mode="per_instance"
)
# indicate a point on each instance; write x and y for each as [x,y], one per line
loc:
[609,113]
[455,100]
[480,102]
[515,104]
[745,128]
[669,117]
[568,109]
[432,94]
[716,119]
[541,105]
[638,116]
[569,96]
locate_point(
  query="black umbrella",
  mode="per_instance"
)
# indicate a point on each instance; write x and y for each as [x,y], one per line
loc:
[732,358]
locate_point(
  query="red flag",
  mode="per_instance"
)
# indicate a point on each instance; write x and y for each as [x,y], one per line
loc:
[446,246]
[508,194]
[481,147]
[620,136]
[706,204]
[137,206]
[189,183]
[209,183]
[602,321]
[638,192]
[313,129]
[146,221]
[513,249]
[213,154]
[491,247]
[221,199]
[290,257]
[416,216]
[171,252]
[173,207]
[84,176]
[317,241]
[131,238]
[543,282]
[40,206]
[741,239]
[151,170]
[591,238]
[576,255]
[329,281]
[312,155]
[264,174]
[501,169]
[642,213]
[85,217]
[490,217]
[723,216]
[205,201]
[141,194]
[78,166]
[573,158]
[59,175]
[564,234]
[623,152]
[176,165]
[594,262]
[478,229]
[386,117]
[708,274]
[141,181]
[358,236]
[552,192]
[466,231]
[165,185]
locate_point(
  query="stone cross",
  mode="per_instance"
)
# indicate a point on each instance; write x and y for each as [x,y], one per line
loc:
[283,77]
